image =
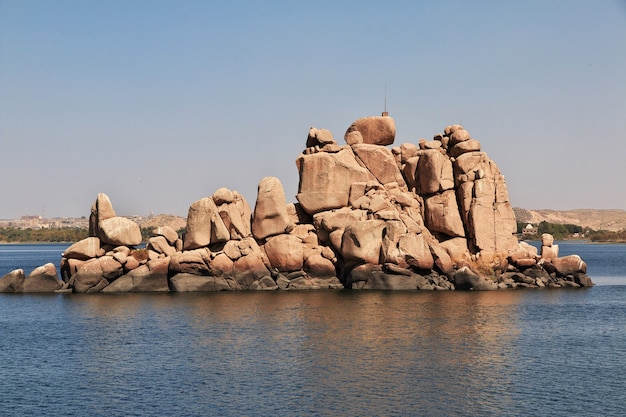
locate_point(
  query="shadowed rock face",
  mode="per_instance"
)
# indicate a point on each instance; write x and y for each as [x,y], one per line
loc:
[431,215]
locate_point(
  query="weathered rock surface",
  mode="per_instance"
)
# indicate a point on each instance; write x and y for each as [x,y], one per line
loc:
[85,249]
[204,225]
[119,231]
[428,216]
[42,279]
[270,212]
[376,130]
[326,178]
[13,281]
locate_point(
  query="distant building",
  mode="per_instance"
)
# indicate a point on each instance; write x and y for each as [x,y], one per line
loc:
[530,230]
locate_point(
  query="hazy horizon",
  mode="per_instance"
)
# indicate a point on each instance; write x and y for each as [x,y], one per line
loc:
[160,103]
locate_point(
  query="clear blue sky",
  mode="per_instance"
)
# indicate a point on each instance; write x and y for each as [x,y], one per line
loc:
[159,103]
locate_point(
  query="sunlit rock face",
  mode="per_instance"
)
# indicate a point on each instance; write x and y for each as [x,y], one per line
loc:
[431,215]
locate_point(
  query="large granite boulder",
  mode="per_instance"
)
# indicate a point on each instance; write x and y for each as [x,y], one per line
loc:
[204,225]
[319,137]
[434,173]
[442,214]
[184,282]
[270,212]
[119,231]
[151,277]
[168,233]
[326,178]
[101,209]
[381,163]
[13,281]
[570,264]
[375,130]
[377,277]
[285,252]
[466,279]
[235,213]
[84,249]
[42,279]
[362,242]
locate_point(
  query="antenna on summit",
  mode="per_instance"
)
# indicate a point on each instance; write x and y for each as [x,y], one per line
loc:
[385,112]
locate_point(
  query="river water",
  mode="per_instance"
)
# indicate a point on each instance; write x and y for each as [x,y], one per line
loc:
[321,353]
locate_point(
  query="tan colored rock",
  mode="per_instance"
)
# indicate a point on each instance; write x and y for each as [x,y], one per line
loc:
[194,261]
[84,249]
[245,212]
[151,277]
[167,232]
[285,253]
[442,214]
[270,212]
[523,251]
[414,223]
[547,239]
[223,196]
[410,173]
[376,130]
[376,277]
[42,279]
[160,245]
[12,282]
[66,271]
[525,262]
[471,145]
[362,242]
[451,129]
[130,264]
[249,268]
[465,197]
[434,173]
[338,219]
[416,252]
[318,266]
[237,226]
[466,165]
[331,190]
[550,253]
[222,265]
[394,230]
[456,248]
[196,283]
[319,137]
[571,264]
[458,136]
[353,138]
[381,163]
[441,257]
[119,231]
[110,267]
[408,151]
[430,144]
[466,279]
[101,209]
[202,219]
[87,276]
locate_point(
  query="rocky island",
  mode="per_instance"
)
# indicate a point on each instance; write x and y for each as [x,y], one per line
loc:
[428,216]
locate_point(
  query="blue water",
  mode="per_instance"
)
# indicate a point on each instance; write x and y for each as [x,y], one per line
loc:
[322,353]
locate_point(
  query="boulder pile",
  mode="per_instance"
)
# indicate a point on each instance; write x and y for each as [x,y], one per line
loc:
[430,216]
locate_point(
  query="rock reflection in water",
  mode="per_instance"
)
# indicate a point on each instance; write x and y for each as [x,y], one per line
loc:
[347,352]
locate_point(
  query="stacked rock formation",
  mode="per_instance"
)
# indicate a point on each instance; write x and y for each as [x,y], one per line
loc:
[432,215]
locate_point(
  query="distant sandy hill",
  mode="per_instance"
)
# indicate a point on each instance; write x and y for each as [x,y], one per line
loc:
[612,219]
[175,222]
